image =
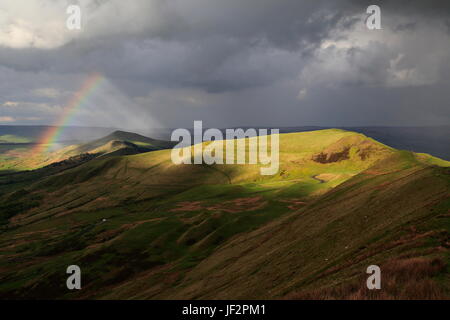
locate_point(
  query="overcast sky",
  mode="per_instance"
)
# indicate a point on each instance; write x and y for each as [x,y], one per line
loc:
[227,62]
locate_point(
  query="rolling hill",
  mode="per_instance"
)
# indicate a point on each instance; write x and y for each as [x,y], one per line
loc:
[134,138]
[141,227]
[116,143]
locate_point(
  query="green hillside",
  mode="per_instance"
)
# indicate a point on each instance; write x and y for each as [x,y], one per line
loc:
[141,227]
[394,214]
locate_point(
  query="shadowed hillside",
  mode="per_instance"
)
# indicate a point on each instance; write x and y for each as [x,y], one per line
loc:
[116,143]
[134,138]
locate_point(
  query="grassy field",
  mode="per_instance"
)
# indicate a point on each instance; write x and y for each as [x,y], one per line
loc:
[141,227]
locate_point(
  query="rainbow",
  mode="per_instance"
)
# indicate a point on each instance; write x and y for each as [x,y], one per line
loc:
[52,134]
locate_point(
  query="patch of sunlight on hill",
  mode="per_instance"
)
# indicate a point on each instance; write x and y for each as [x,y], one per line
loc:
[431,160]
[299,170]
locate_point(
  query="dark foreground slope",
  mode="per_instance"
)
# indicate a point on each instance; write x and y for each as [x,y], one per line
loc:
[141,227]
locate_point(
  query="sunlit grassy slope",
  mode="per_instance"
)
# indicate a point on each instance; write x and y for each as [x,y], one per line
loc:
[394,214]
[141,227]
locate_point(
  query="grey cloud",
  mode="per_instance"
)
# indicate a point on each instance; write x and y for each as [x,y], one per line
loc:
[425,9]
[247,60]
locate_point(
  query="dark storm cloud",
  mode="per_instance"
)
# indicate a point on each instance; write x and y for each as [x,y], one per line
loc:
[239,61]
[215,64]
[208,44]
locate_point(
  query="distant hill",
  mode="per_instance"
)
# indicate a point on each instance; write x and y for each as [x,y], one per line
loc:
[16,156]
[69,134]
[114,144]
[340,202]
[133,139]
